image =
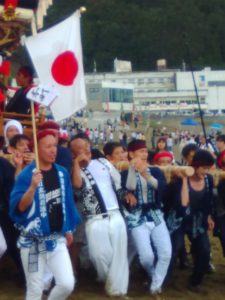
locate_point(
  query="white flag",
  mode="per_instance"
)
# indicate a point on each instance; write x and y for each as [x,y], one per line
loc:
[43,94]
[57,57]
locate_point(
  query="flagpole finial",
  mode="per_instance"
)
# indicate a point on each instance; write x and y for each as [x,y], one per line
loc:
[83,9]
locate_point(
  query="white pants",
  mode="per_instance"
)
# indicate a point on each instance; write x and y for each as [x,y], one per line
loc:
[146,238]
[58,262]
[107,244]
[3,245]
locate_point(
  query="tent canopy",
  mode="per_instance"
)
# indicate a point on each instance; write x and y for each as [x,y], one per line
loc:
[216,126]
[189,122]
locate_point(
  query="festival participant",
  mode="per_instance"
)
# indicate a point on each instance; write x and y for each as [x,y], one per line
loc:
[145,220]
[117,154]
[19,102]
[11,128]
[188,152]
[220,205]
[7,173]
[21,154]
[113,152]
[3,245]
[97,184]
[220,143]
[42,207]
[163,158]
[63,156]
[192,212]
[79,144]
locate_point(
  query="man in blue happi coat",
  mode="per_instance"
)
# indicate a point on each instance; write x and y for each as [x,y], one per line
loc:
[42,207]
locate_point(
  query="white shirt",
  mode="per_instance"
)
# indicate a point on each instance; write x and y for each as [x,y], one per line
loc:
[102,178]
[205,147]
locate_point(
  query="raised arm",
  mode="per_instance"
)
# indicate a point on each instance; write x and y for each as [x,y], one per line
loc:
[28,197]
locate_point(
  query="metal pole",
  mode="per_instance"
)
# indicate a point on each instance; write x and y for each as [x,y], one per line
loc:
[196,91]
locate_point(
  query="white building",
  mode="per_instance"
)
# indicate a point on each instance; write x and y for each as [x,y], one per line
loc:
[157,91]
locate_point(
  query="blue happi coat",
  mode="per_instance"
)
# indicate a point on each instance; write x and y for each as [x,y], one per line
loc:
[34,223]
[145,212]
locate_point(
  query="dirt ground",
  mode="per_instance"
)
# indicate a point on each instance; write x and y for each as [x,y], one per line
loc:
[213,287]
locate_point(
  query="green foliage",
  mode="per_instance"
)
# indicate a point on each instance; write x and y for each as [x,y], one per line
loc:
[145,30]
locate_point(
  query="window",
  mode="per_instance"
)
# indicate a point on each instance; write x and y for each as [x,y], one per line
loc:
[117,95]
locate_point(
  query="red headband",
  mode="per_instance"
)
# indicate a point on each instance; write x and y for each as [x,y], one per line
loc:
[157,156]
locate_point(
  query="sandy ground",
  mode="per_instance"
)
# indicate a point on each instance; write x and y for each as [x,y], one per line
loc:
[213,287]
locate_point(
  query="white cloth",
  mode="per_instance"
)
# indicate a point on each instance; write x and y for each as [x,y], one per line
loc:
[132,182]
[47,279]
[102,178]
[12,123]
[145,235]
[208,147]
[59,263]
[60,63]
[107,243]
[3,245]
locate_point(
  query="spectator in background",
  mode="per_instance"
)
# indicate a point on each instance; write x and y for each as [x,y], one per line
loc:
[170,143]
[206,145]
[161,145]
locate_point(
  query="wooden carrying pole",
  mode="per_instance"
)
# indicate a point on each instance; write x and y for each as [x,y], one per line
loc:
[174,171]
[34,135]
[217,175]
[169,171]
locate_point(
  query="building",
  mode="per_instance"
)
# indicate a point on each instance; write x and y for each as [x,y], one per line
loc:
[168,90]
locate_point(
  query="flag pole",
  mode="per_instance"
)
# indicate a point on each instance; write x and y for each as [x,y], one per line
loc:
[196,90]
[34,33]
[34,135]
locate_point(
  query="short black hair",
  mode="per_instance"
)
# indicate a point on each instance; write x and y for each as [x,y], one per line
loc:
[151,155]
[17,138]
[80,135]
[188,148]
[220,138]
[110,147]
[96,153]
[27,71]
[202,158]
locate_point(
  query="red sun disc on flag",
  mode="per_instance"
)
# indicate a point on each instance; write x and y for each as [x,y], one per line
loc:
[65,68]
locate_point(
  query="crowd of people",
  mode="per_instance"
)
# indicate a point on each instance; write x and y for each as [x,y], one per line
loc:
[117,203]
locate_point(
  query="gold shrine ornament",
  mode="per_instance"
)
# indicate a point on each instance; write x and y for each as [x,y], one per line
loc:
[9,12]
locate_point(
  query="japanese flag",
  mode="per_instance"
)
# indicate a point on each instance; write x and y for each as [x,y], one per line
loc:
[57,57]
